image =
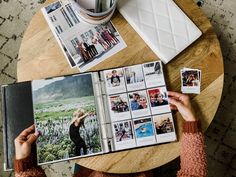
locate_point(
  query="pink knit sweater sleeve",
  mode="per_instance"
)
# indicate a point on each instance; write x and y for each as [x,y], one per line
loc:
[28,168]
[192,153]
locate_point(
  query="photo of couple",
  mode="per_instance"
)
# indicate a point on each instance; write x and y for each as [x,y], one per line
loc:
[123,131]
[157,97]
[138,101]
[190,78]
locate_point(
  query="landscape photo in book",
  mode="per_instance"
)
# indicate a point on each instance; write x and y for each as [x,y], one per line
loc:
[87,45]
[65,114]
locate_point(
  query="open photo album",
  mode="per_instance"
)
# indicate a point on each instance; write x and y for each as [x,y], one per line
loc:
[84,45]
[92,113]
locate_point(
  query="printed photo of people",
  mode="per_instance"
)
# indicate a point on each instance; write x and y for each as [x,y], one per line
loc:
[115,81]
[119,103]
[190,78]
[139,103]
[134,77]
[163,123]
[153,74]
[143,127]
[157,97]
[66,118]
[123,131]
[87,44]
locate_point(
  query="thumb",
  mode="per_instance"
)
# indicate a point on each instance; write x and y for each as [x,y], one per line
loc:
[175,102]
[33,138]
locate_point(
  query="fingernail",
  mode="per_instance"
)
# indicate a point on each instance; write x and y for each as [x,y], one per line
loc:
[36,133]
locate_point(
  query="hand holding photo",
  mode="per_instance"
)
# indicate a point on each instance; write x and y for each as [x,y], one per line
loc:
[66,117]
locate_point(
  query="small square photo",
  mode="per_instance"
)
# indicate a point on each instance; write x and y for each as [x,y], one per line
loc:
[190,78]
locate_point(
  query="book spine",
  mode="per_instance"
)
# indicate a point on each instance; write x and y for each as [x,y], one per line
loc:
[4,121]
[108,126]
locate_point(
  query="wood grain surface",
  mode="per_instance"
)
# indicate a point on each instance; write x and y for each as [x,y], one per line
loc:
[41,57]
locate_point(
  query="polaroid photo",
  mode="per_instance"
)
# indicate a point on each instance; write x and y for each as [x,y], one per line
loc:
[119,107]
[123,135]
[144,131]
[190,80]
[153,74]
[134,77]
[85,44]
[158,98]
[115,81]
[164,128]
[139,104]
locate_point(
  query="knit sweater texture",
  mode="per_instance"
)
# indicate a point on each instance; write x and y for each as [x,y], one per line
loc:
[192,157]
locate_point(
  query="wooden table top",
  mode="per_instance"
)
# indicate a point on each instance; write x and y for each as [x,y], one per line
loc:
[41,57]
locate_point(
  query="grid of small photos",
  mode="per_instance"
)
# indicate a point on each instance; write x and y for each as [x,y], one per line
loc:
[138,105]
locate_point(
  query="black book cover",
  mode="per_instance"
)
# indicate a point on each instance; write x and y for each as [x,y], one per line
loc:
[17,112]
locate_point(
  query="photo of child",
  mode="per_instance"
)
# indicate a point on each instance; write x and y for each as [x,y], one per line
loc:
[153,74]
[115,81]
[123,131]
[163,123]
[119,104]
[190,78]
[157,98]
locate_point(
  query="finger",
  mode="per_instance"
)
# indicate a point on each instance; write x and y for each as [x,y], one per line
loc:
[174,94]
[175,102]
[33,138]
[173,107]
[27,131]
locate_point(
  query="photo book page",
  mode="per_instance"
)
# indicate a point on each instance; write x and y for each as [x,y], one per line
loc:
[138,106]
[66,115]
[84,45]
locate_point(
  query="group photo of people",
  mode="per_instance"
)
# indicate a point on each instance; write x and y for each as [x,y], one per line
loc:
[119,103]
[163,123]
[157,97]
[95,42]
[123,131]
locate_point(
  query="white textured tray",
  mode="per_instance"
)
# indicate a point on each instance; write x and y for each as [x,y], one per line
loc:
[162,25]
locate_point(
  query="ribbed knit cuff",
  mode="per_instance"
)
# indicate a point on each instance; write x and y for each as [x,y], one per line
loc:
[25,164]
[192,126]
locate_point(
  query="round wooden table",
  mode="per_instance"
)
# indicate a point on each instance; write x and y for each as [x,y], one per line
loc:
[41,57]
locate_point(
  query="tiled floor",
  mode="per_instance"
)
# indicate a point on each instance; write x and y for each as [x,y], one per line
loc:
[220,136]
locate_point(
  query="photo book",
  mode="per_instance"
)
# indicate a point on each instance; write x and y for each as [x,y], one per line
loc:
[91,113]
[83,45]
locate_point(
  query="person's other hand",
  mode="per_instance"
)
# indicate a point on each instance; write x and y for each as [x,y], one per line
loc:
[24,141]
[182,103]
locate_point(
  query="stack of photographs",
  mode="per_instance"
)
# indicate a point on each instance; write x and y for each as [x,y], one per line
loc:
[138,105]
[190,80]
[84,45]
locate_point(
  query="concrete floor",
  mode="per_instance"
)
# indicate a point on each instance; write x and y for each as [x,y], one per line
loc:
[220,136]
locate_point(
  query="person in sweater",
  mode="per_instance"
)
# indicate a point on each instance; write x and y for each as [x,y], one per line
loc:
[192,153]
